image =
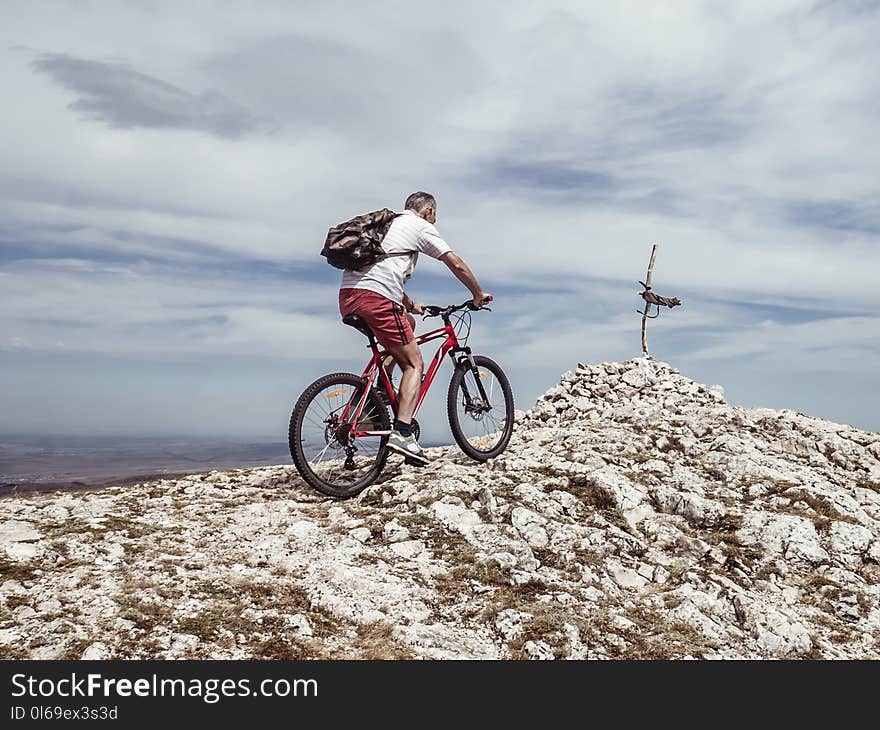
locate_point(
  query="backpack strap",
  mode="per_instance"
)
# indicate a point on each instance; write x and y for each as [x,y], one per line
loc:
[382,257]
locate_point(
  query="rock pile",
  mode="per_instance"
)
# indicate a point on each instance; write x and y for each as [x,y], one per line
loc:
[635,514]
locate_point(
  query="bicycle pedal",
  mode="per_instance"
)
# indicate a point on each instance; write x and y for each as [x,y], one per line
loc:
[412,462]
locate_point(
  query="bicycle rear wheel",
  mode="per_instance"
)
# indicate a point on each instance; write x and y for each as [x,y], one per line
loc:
[321,446]
[482,427]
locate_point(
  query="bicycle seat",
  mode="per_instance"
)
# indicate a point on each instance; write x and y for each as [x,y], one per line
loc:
[356,321]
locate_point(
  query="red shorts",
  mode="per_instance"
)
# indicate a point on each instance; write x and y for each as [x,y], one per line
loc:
[387,319]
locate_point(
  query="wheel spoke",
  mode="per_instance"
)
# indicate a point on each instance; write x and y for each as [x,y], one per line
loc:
[315,437]
[321,455]
[316,423]
[479,426]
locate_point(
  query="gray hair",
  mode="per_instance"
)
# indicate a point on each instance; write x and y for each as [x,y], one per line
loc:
[419,201]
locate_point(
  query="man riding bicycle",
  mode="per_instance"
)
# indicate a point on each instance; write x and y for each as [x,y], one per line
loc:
[376,295]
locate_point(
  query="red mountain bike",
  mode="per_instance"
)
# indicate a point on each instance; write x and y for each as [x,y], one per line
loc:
[340,424]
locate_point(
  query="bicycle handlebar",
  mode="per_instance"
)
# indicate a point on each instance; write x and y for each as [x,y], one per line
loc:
[432,310]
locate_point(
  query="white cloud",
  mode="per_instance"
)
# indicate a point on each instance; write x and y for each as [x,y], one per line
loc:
[561,138]
[152,310]
[812,344]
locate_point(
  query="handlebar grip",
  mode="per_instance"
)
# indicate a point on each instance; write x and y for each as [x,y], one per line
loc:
[473,307]
[432,310]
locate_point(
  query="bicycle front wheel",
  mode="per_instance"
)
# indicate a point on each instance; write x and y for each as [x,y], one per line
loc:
[480,408]
[321,445]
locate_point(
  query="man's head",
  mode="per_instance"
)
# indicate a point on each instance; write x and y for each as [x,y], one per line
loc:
[423,205]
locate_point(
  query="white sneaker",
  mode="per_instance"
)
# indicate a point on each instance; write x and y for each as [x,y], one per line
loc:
[408,447]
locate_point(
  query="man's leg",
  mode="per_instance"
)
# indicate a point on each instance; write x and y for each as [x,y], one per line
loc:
[388,362]
[409,357]
[401,439]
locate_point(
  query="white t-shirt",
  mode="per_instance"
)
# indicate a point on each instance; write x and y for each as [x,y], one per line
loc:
[408,232]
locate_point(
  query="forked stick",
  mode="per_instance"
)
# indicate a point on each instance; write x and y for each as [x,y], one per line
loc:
[647,307]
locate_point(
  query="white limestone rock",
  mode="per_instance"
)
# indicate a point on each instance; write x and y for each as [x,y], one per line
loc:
[788,535]
[96,652]
[849,542]
[529,524]
[361,534]
[538,650]
[394,532]
[438,641]
[408,549]
[623,493]
[12,531]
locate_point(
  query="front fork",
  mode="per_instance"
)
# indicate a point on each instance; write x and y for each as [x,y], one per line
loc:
[463,358]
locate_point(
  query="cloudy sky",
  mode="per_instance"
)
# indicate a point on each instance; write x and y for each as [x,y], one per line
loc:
[169,171]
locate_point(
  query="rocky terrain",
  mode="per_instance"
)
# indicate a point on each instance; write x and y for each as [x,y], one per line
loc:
[635,515]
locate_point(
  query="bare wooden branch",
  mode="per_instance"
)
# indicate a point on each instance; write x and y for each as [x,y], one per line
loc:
[651,266]
[661,301]
[647,306]
[652,299]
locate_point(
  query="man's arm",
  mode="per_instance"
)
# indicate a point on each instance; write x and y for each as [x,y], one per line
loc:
[463,273]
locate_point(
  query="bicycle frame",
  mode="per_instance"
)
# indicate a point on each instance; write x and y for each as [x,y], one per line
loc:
[374,366]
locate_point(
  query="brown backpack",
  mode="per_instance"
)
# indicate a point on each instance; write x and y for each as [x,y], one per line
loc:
[357,244]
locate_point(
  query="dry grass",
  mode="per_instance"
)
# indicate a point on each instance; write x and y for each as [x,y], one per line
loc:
[729,523]
[825,594]
[227,601]
[13,570]
[74,648]
[282,648]
[210,621]
[655,637]
[145,614]
[591,493]
[544,623]
[517,596]
[14,601]
[7,651]
[214,589]
[375,640]
[824,511]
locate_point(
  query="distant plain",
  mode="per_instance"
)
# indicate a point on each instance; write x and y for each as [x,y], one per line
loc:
[44,463]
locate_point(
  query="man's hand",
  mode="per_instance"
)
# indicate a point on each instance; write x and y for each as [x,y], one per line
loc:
[412,307]
[482,299]
[463,273]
